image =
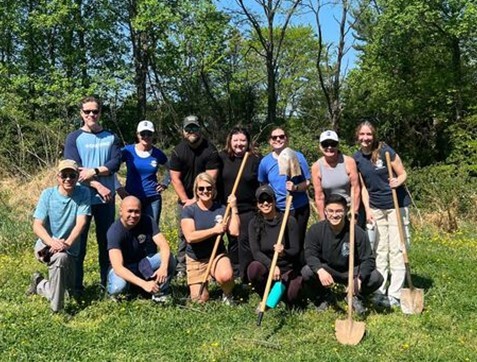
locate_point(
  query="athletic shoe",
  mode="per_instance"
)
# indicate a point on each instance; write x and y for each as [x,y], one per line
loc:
[394,302]
[181,275]
[161,298]
[35,280]
[358,306]
[228,299]
[381,300]
[324,302]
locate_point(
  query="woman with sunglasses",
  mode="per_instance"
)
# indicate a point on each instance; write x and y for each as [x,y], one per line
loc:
[379,206]
[201,223]
[263,232]
[142,161]
[333,173]
[237,144]
[269,173]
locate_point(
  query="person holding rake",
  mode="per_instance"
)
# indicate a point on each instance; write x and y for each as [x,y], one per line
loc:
[201,223]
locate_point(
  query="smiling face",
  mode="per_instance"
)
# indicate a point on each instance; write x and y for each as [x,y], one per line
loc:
[192,134]
[130,212]
[145,138]
[67,180]
[205,191]
[329,148]
[365,137]
[335,214]
[278,140]
[266,205]
[239,144]
[90,113]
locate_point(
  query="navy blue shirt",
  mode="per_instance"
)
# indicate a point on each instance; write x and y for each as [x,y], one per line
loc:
[376,180]
[136,243]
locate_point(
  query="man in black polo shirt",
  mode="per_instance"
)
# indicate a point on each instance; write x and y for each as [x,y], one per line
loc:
[327,256]
[193,155]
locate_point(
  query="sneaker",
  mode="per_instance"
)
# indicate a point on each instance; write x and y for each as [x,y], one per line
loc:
[161,298]
[228,299]
[181,275]
[35,280]
[324,302]
[358,306]
[394,302]
[381,300]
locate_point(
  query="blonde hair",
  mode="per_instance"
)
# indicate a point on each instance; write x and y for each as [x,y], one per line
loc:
[204,176]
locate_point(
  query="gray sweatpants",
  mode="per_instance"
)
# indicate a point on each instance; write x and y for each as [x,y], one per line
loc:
[60,278]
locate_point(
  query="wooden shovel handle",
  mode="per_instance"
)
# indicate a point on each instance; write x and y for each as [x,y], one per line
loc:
[225,219]
[351,256]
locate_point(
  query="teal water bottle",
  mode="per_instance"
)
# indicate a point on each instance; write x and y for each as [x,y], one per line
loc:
[275,294]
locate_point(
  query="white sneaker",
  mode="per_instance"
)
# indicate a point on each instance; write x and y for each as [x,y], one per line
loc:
[394,302]
[228,299]
[161,298]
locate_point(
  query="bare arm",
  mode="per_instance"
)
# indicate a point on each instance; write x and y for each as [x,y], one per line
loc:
[401,174]
[319,194]
[40,231]
[75,233]
[365,200]
[193,236]
[179,188]
[160,274]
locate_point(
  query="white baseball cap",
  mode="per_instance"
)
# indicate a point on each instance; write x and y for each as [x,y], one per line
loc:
[145,126]
[329,135]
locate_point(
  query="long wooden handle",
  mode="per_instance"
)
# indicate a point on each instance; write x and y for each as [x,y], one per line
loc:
[275,254]
[351,257]
[226,215]
[399,221]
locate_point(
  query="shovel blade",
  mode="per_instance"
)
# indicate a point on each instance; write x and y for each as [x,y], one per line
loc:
[349,332]
[412,300]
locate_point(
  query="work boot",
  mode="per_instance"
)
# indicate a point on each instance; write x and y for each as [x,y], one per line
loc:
[358,306]
[35,280]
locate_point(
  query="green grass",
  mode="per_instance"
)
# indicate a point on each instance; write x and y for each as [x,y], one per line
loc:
[101,330]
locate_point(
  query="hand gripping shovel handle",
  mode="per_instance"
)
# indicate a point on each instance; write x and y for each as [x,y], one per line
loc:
[225,219]
[399,221]
[274,260]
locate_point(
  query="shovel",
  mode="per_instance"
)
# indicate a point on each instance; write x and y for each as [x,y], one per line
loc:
[412,299]
[225,219]
[288,165]
[348,331]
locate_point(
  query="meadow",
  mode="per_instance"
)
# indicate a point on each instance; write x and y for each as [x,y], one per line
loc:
[97,328]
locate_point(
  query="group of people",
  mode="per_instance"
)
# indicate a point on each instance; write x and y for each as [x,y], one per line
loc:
[134,254]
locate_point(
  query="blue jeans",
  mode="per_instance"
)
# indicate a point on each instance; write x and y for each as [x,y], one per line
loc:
[117,285]
[103,215]
[152,206]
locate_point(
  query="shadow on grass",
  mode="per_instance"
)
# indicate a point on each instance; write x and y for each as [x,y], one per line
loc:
[422,282]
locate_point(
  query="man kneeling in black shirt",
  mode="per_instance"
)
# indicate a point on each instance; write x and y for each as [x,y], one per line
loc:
[327,256]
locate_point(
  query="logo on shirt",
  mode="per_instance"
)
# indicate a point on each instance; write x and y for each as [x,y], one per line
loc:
[218,219]
[154,163]
[141,238]
[345,249]
[379,164]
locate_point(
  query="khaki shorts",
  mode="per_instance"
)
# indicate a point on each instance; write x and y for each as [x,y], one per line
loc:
[197,268]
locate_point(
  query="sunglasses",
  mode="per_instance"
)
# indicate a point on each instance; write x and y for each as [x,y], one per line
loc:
[145,134]
[266,199]
[326,144]
[204,188]
[192,129]
[89,111]
[70,175]
[279,137]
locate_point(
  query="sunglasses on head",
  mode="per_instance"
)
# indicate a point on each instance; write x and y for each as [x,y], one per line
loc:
[89,111]
[145,134]
[192,129]
[326,144]
[70,175]
[266,198]
[278,137]
[204,188]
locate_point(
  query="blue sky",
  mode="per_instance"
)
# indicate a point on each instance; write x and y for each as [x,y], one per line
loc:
[328,19]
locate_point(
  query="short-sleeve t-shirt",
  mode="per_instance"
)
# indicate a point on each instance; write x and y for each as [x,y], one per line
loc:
[136,243]
[376,179]
[59,212]
[204,219]
[192,161]
[141,177]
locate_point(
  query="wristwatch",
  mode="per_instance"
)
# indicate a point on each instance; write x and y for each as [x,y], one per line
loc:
[96,171]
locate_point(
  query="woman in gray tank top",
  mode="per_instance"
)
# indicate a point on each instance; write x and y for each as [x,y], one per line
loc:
[334,173]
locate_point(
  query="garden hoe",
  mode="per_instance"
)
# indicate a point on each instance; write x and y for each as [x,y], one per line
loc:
[225,220]
[412,299]
[288,165]
[348,331]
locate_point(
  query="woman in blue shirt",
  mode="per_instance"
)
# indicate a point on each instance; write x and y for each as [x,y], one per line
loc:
[142,161]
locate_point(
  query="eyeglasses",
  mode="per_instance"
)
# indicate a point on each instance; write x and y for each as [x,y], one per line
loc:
[89,111]
[326,144]
[191,129]
[267,199]
[278,137]
[204,188]
[334,212]
[70,175]
[145,134]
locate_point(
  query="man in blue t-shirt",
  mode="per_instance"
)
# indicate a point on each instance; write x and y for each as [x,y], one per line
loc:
[133,240]
[60,216]
[98,154]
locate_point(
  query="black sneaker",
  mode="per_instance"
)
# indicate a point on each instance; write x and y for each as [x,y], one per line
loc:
[324,302]
[35,280]
[358,306]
